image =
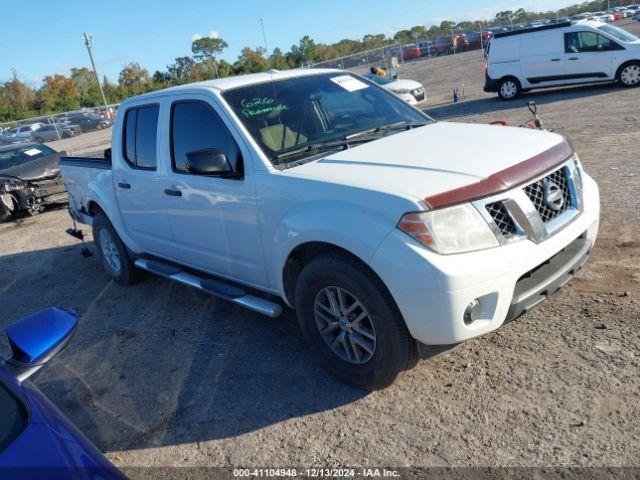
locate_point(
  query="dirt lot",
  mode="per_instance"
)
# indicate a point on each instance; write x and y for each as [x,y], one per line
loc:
[161,375]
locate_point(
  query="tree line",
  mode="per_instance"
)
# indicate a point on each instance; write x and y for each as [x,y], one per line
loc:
[59,93]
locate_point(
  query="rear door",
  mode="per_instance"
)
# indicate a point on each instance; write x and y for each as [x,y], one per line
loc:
[542,58]
[137,180]
[589,56]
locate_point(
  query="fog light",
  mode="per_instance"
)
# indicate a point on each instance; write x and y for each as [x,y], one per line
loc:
[472,312]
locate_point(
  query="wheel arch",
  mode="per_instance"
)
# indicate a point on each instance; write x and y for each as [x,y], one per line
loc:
[624,64]
[304,253]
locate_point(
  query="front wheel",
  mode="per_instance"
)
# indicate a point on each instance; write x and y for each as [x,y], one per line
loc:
[629,75]
[351,323]
[112,252]
[509,88]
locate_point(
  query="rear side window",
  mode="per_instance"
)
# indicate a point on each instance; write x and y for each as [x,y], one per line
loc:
[196,126]
[140,134]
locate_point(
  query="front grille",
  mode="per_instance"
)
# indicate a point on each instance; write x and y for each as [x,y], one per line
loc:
[501,218]
[536,193]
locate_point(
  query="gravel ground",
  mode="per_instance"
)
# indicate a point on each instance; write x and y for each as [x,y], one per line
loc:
[161,375]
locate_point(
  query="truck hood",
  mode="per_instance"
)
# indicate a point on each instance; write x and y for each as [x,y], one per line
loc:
[402,85]
[430,160]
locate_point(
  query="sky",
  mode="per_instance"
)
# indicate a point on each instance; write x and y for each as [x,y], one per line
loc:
[43,37]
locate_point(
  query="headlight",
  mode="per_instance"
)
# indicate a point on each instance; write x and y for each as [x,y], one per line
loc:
[449,230]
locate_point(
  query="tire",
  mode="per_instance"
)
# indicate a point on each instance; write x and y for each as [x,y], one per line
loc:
[509,88]
[5,214]
[629,75]
[112,252]
[390,348]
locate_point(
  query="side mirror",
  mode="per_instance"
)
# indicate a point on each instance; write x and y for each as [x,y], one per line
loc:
[107,153]
[36,339]
[208,161]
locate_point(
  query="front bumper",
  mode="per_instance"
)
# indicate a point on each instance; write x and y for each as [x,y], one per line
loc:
[432,291]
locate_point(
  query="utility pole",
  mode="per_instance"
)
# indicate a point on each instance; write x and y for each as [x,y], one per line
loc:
[87,42]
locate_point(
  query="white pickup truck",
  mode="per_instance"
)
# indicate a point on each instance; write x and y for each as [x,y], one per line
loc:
[390,234]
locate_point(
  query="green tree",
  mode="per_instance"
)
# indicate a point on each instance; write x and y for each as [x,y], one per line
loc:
[133,79]
[181,71]
[250,61]
[58,94]
[277,60]
[206,49]
[86,85]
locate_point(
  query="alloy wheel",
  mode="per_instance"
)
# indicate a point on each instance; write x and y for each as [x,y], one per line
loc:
[345,325]
[110,251]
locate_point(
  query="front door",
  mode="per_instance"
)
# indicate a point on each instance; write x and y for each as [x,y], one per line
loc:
[588,56]
[138,183]
[214,217]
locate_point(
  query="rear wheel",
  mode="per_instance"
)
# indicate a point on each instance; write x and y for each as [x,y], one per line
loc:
[115,258]
[629,75]
[351,323]
[509,88]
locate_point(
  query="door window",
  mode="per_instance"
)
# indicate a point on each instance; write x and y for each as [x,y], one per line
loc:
[580,42]
[13,419]
[140,136]
[196,126]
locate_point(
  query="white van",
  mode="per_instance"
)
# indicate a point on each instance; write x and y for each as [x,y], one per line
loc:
[561,54]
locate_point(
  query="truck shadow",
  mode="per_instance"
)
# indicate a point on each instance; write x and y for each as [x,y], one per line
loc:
[541,97]
[157,363]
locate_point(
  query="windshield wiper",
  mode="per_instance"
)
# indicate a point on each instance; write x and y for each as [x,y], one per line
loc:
[314,147]
[383,128]
[349,140]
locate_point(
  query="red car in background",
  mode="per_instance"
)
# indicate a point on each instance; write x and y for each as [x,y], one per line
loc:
[617,16]
[410,52]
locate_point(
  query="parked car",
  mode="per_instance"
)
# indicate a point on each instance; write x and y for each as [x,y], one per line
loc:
[36,439]
[474,40]
[410,52]
[444,45]
[51,132]
[29,179]
[618,16]
[561,54]
[321,190]
[89,121]
[6,139]
[24,133]
[410,91]
[636,16]
[427,49]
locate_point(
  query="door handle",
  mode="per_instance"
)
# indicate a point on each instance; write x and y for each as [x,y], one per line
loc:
[124,185]
[555,59]
[574,58]
[172,193]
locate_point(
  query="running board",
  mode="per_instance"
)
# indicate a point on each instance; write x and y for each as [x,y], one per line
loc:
[209,285]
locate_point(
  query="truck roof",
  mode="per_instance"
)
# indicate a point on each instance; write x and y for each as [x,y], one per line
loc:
[228,83]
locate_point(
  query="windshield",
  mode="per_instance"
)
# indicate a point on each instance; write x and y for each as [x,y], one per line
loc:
[618,33]
[19,155]
[288,115]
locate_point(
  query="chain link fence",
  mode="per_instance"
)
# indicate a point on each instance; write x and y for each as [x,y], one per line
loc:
[376,56]
[57,127]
